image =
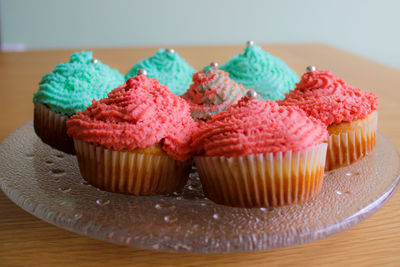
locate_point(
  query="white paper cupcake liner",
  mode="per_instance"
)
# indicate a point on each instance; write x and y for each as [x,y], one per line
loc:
[129,172]
[263,180]
[350,146]
[51,127]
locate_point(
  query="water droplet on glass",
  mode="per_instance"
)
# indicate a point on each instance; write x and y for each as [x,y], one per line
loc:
[190,187]
[110,235]
[348,174]
[63,202]
[77,216]
[158,206]
[102,202]
[170,219]
[181,247]
[128,240]
[64,189]
[263,209]
[203,204]
[57,172]
[338,192]
[215,216]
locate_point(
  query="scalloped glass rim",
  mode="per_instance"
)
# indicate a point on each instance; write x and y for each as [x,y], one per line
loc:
[46,183]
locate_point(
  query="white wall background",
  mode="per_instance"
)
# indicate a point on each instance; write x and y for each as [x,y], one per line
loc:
[366,27]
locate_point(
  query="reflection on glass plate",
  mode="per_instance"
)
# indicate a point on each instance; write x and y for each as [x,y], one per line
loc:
[47,183]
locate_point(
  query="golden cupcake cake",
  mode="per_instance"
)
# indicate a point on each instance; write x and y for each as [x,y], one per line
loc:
[135,141]
[349,113]
[259,154]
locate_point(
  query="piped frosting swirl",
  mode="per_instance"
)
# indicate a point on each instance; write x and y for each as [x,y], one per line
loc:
[139,114]
[212,91]
[330,99]
[268,75]
[257,127]
[73,85]
[168,68]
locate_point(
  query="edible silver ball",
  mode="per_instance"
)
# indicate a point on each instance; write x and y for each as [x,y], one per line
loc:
[141,72]
[251,93]
[250,43]
[214,64]
[94,61]
[311,69]
[169,50]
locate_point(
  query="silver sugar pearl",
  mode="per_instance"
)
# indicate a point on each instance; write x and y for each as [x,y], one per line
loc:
[214,65]
[141,72]
[251,93]
[169,50]
[250,43]
[94,60]
[311,69]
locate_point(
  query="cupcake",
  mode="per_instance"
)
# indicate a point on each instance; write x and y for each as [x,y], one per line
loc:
[212,91]
[71,87]
[135,141]
[168,68]
[255,68]
[259,154]
[349,113]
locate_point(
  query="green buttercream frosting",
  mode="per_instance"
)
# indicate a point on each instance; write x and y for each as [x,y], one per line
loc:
[168,68]
[73,85]
[268,75]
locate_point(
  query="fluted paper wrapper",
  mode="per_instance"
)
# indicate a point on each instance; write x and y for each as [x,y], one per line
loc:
[129,172]
[51,127]
[350,146]
[263,180]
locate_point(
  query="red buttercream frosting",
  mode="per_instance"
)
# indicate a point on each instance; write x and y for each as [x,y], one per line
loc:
[257,127]
[138,114]
[212,91]
[330,99]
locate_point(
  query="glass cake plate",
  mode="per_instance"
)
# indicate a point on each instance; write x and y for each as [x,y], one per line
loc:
[47,183]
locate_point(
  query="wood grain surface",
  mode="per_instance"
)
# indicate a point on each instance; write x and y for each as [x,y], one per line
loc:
[28,241]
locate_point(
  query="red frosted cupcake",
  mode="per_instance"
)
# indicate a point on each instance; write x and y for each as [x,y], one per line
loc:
[135,141]
[260,154]
[349,113]
[212,91]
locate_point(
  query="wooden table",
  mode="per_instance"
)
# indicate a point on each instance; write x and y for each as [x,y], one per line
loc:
[26,240]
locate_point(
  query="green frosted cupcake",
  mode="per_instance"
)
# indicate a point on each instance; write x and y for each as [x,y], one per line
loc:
[168,68]
[268,75]
[72,85]
[70,88]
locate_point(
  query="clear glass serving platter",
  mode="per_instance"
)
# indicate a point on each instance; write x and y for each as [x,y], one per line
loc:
[47,183]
